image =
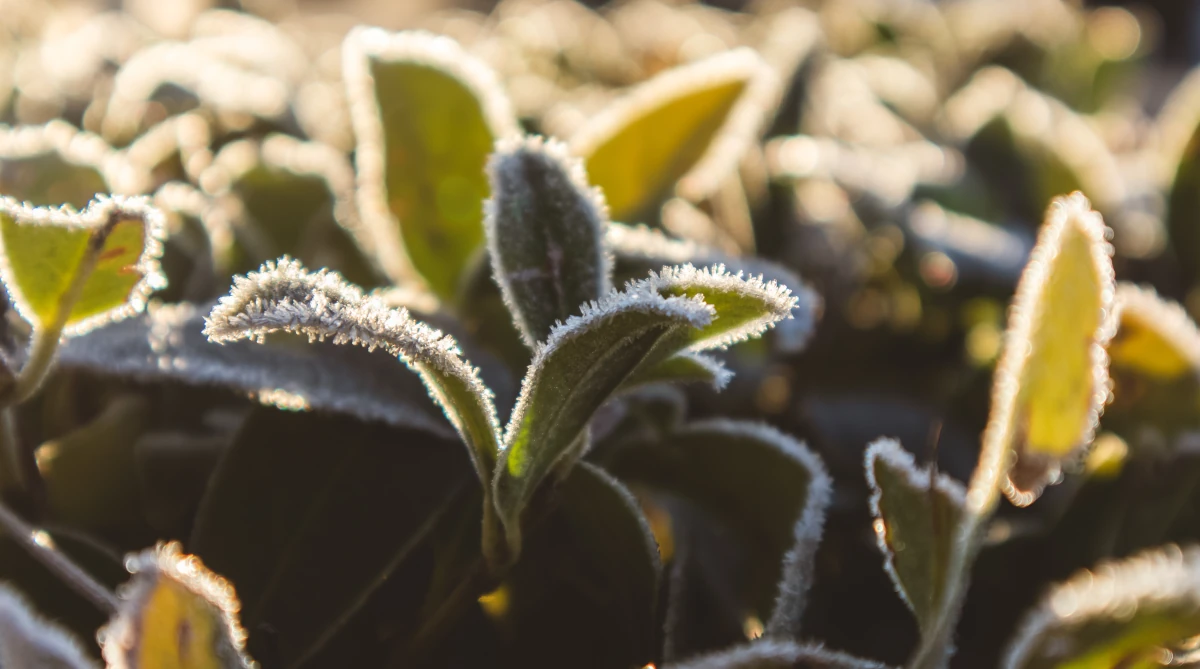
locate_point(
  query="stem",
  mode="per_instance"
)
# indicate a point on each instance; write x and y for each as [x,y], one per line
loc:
[14,465]
[30,539]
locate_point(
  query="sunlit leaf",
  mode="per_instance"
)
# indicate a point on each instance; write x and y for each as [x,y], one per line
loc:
[283,296]
[545,228]
[168,344]
[426,116]
[1118,614]
[764,486]
[779,655]
[1155,337]
[575,371]
[1051,382]
[28,640]
[44,250]
[638,148]
[175,614]
[917,515]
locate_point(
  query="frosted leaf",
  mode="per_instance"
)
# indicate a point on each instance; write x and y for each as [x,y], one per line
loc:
[55,164]
[168,344]
[685,367]
[1119,613]
[917,514]
[1156,337]
[778,655]
[173,607]
[545,228]
[282,295]
[577,369]
[42,250]
[28,640]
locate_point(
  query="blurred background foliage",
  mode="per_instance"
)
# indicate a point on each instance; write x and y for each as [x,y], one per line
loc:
[903,172]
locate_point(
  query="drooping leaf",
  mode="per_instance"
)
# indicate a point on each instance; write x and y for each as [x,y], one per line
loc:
[578,367]
[641,146]
[1119,614]
[1052,378]
[54,164]
[307,492]
[168,344]
[638,250]
[28,640]
[90,473]
[283,296]
[917,515]
[426,116]
[545,228]
[175,614]
[595,556]
[765,487]
[44,249]
[778,655]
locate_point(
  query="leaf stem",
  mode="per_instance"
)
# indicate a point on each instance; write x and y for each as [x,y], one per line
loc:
[34,541]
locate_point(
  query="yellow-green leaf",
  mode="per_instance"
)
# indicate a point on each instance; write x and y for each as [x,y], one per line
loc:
[1155,338]
[174,614]
[638,148]
[426,116]
[54,164]
[1051,382]
[44,250]
[1118,614]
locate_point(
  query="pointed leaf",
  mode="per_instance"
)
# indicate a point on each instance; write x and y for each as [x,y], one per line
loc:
[745,307]
[917,514]
[639,250]
[54,164]
[1052,378]
[764,486]
[284,296]
[28,640]
[637,149]
[594,556]
[1119,614]
[43,250]
[168,344]
[426,116]
[778,655]
[174,614]
[307,492]
[545,228]
[578,368]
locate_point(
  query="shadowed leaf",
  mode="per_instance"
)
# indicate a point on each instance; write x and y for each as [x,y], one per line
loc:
[778,655]
[44,249]
[426,116]
[54,164]
[545,228]
[28,640]
[683,368]
[1119,614]
[917,514]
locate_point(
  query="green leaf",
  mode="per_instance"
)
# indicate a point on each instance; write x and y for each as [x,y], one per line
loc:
[54,164]
[545,228]
[29,640]
[316,527]
[765,487]
[426,116]
[1118,614]
[290,197]
[595,558]
[917,515]
[578,368]
[90,473]
[641,146]
[1178,129]
[45,249]
[779,655]
[683,368]
[167,344]
[283,296]
[1051,382]
[174,614]
[745,307]
[639,250]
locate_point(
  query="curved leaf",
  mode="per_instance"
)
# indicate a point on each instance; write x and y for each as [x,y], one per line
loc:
[545,228]
[426,115]
[778,655]
[54,164]
[28,640]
